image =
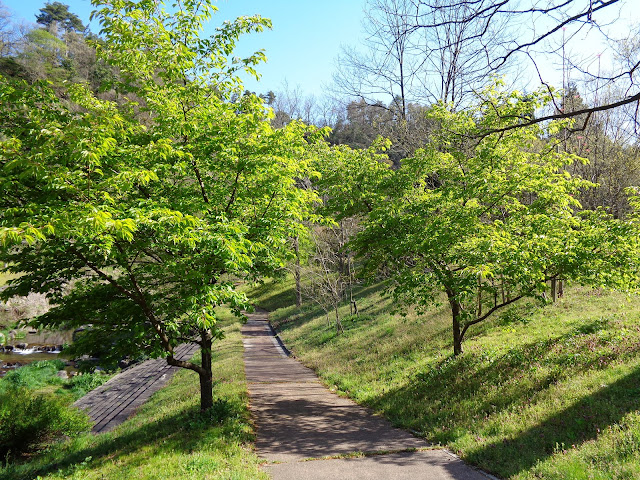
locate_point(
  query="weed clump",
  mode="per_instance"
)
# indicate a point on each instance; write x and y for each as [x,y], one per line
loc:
[28,420]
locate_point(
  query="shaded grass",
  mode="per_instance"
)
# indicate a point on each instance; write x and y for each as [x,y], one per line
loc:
[273,294]
[540,392]
[168,437]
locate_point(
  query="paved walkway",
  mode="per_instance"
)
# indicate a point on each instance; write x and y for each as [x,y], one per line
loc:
[298,419]
[112,403]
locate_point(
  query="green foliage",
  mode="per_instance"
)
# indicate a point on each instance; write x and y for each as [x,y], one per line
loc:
[489,219]
[351,180]
[168,437]
[28,419]
[132,216]
[80,385]
[56,13]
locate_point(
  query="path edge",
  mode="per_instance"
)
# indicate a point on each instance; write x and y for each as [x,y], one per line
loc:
[289,353]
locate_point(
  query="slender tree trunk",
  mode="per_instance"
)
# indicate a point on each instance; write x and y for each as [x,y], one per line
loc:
[457,336]
[341,265]
[297,272]
[554,294]
[456,310]
[206,377]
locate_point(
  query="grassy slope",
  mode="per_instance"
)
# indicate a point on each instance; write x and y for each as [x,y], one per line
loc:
[168,438]
[549,392]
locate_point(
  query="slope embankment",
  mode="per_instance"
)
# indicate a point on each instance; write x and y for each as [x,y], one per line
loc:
[540,392]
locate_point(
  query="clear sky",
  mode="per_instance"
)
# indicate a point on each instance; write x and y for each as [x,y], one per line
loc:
[307,36]
[301,48]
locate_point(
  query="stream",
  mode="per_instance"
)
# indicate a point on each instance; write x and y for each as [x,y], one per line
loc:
[23,347]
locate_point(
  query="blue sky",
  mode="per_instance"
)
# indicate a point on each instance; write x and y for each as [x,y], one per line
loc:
[301,48]
[307,36]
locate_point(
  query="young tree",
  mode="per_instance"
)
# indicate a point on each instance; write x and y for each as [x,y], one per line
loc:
[145,210]
[490,221]
[323,281]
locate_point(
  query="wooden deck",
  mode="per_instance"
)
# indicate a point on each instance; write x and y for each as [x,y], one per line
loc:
[112,403]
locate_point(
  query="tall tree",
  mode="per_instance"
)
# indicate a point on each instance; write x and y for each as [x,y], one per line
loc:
[8,32]
[421,52]
[611,149]
[387,69]
[535,33]
[134,217]
[55,15]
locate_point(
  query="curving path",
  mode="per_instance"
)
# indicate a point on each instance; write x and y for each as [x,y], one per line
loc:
[299,420]
[112,403]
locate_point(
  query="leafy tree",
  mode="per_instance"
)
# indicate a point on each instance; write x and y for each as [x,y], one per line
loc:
[135,217]
[43,56]
[56,54]
[56,14]
[490,221]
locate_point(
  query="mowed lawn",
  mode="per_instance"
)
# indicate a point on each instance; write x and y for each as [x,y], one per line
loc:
[547,392]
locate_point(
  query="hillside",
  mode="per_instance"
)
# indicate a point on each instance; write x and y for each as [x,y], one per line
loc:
[540,392]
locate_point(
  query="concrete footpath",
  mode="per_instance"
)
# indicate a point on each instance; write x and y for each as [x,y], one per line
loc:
[300,424]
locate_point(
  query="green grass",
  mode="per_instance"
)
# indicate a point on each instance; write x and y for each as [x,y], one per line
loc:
[41,377]
[168,437]
[540,392]
[34,376]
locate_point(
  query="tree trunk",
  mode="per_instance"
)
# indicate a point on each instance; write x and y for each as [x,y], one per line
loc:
[206,377]
[457,337]
[296,246]
[456,310]
[554,295]
[341,263]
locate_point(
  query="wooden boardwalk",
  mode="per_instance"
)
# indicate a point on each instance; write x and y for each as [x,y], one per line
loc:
[112,403]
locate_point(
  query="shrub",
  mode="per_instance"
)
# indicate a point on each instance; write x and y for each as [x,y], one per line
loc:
[81,384]
[35,375]
[28,420]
